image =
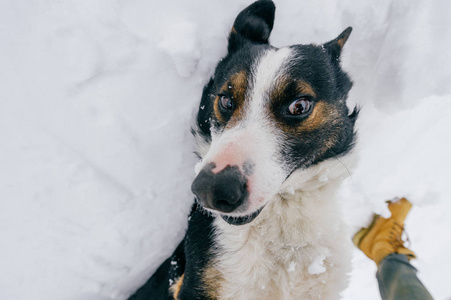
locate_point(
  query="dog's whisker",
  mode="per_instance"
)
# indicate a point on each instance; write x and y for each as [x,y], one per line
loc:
[347,170]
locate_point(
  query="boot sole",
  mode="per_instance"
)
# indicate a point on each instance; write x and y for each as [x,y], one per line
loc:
[358,237]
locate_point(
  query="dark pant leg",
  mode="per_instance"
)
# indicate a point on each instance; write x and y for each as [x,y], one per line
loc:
[398,280]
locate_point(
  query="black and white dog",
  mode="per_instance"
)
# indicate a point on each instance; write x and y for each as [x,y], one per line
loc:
[273,132]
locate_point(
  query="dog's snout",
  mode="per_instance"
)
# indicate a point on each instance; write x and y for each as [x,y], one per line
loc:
[224,191]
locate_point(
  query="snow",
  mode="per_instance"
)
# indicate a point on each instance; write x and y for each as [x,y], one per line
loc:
[291,267]
[317,265]
[96,155]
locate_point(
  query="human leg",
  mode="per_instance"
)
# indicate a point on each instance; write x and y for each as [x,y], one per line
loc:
[382,243]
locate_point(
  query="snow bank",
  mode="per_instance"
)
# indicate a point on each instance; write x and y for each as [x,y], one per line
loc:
[96,156]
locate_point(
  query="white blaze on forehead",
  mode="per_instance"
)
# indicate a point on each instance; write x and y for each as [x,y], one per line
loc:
[253,128]
[267,70]
[254,139]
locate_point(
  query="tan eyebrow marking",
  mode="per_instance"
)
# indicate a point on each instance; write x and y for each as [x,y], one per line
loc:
[302,87]
[280,87]
[305,88]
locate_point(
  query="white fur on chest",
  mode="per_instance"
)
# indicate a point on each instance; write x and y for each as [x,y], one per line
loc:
[296,249]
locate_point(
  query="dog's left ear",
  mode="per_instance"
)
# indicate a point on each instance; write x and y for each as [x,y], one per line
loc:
[335,46]
[252,25]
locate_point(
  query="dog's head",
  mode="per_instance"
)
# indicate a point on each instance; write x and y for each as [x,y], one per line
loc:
[266,113]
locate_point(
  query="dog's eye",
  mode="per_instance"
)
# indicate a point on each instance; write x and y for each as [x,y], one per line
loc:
[226,102]
[300,107]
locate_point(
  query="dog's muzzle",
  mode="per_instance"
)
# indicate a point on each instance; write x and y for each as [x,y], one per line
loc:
[224,191]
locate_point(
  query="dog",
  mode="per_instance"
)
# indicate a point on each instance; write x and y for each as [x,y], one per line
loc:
[275,137]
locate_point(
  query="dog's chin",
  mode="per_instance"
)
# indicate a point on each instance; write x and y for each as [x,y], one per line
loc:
[242,220]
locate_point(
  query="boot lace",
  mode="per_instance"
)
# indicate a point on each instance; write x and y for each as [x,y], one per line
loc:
[395,236]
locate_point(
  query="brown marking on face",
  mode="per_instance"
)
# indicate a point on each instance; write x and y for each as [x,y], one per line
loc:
[235,88]
[279,92]
[321,115]
[324,120]
[212,280]
[175,288]
[305,89]
[216,110]
[233,30]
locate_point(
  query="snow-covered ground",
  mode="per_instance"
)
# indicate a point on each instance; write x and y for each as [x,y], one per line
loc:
[96,99]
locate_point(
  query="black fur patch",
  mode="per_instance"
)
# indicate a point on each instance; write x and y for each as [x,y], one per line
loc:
[190,258]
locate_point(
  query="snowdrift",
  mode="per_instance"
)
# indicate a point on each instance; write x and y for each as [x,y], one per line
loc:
[96,162]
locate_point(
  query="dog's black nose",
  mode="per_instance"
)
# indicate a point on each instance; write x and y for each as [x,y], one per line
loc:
[224,191]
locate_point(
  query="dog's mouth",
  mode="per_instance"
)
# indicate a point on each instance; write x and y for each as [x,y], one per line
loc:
[242,220]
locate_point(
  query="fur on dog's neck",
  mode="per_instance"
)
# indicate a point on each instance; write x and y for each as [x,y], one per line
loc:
[297,248]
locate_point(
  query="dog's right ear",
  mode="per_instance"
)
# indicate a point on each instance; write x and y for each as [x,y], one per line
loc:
[252,25]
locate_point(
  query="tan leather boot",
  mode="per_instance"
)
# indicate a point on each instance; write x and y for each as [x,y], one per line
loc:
[383,236]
